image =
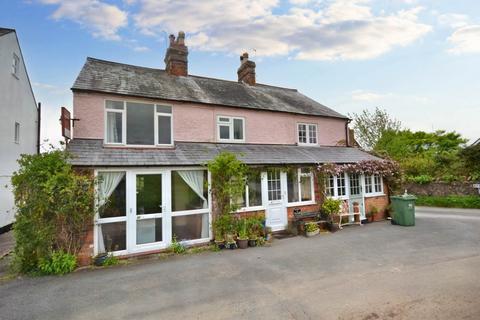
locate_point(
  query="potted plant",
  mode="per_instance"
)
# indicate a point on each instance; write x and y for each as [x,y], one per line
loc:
[230,242]
[252,239]
[311,229]
[242,238]
[331,207]
[268,233]
[219,233]
[373,212]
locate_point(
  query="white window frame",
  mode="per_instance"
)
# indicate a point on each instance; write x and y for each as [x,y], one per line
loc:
[335,187]
[307,134]
[231,128]
[247,199]
[124,124]
[16,137]
[15,65]
[371,179]
[163,114]
[299,175]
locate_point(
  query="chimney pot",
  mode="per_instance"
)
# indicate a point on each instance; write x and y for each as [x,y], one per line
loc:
[246,71]
[176,62]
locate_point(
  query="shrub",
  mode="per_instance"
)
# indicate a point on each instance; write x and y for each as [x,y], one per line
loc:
[453,201]
[331,206]
[111,260]
[421,179]
[58,263]
[54,207]
[311,227]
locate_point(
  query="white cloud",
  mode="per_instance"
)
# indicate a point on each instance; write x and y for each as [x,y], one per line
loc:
[453,20]
[361,95]
[342,29]
[465,40]
[101,19]
[141,49]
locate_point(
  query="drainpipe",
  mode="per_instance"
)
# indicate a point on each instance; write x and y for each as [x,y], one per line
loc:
[39,117]
[347,134]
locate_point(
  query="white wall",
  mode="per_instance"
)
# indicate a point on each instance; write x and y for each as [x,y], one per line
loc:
[17,104]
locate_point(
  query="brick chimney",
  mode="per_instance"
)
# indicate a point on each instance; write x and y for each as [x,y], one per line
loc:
[176,62]
[246,71]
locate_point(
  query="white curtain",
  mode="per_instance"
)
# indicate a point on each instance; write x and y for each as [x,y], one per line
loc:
[108,182]
[112,127]
[194,179]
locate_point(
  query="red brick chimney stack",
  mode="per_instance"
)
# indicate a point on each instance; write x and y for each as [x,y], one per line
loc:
[176,62]
[246,71]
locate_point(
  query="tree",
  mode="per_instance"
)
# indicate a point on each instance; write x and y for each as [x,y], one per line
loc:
[369,127]
[471,158]
[54,205]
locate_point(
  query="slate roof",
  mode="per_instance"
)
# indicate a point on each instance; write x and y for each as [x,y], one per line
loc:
[91,153]
[117,78]
[4,31]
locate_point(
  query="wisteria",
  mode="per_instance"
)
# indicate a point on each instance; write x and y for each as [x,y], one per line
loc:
[386,168]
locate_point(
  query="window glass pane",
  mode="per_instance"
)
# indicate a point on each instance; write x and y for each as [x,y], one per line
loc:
[116,205]
[189,190]
[255,191]
[140,125]
[368,184]
[306,188]
[292,187]
[341,185]
[302,133]
[164,109]
[378,183]
[190,227]
[112,236]
[312,133]
[164,130]
[114,127]
[355,188]
[149,230]
[149,194]
[118,105]
[223,119]
[224,132]
[274,185]
[238,129]
[329,186]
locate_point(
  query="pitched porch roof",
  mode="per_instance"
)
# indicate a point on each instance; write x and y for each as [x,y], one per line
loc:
[92,153]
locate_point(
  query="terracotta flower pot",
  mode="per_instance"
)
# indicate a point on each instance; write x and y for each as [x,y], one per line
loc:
[242,243]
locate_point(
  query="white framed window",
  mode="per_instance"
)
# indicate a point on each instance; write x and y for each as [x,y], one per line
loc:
[138,124]
[355,186]
[341,185]
[251,198]
[17,133]
[15,65]
[230,129]
[300,186]
[373,184]
[330,186]
[307,134]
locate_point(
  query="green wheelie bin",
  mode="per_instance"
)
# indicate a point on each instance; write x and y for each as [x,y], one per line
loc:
[403,210]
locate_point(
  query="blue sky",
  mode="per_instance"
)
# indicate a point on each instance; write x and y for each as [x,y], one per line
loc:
[419,60]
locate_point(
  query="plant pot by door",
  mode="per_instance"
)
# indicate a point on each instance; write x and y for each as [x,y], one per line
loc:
[312,233]
[242,243]
[252,242]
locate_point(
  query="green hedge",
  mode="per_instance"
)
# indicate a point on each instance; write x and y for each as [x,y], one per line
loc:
[469,202]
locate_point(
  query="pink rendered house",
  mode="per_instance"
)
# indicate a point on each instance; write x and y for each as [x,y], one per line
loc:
[149,132]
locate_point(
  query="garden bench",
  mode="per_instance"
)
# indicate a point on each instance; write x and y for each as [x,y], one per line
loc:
[345,212]
[300,218]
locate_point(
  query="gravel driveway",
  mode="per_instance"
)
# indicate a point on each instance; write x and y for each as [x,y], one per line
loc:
[377,271]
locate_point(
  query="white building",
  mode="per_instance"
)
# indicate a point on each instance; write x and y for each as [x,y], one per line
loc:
[18,118]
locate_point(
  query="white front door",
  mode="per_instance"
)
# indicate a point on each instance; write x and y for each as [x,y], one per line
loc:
[149,216]
[276,209]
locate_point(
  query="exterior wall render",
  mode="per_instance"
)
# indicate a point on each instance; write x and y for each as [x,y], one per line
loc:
[197,123]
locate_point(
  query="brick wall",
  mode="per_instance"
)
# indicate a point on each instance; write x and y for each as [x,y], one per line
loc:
[380,202]
[84,257]
[441,189]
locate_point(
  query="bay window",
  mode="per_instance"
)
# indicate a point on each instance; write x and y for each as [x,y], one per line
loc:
[307,134]
[300,185]
[230,129]
[138,124]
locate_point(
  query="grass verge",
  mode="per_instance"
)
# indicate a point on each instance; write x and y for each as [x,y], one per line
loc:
[467,202]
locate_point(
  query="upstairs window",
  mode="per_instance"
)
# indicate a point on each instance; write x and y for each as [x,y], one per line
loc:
[15,65]
[17,133]
[307,134]
[230,129]
[139,124]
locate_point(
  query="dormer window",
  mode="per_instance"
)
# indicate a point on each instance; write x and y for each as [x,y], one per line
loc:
[307,134]
[230,129]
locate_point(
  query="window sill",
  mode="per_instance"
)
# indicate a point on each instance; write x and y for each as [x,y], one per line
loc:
[230,141]
[307,144]
[300,203]
[139,146]
[250,209]
[372,195]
